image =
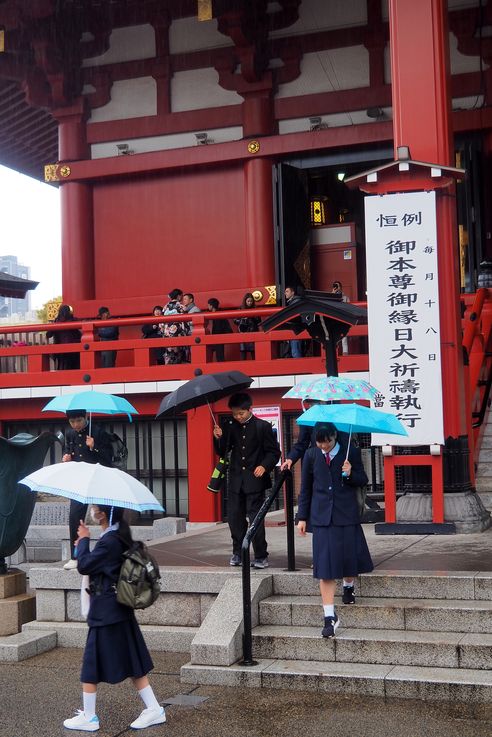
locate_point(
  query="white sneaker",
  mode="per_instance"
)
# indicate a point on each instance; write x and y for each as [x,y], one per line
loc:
[82,723]
[149,717]
[70,565]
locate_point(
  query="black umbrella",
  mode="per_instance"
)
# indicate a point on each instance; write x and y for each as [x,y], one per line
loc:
[205,389]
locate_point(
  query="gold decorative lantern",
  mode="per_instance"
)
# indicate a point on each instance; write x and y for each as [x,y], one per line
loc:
[318,210]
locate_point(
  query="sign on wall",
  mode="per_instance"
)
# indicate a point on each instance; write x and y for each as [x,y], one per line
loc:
[403,314]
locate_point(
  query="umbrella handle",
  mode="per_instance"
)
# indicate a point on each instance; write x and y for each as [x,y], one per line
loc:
[348,448]
[211,414]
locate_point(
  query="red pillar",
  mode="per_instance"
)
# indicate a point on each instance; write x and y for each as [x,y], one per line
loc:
[76,210]
[422,121]
[203,505]
[260,258]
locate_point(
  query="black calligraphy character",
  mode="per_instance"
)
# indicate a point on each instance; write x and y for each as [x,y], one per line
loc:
[409,218]
[400,247]
[402,350]
[400,264]
[401,281]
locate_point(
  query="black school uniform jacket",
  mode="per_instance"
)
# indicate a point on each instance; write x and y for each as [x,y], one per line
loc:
[76,446]
[327,497]
[252,444]
[103,565]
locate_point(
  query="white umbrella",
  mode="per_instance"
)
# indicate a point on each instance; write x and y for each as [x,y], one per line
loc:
[91,483]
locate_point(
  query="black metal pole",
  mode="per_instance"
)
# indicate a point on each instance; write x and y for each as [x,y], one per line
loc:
[289,512]
[247,634]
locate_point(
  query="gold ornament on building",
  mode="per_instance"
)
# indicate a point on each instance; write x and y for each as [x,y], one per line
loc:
[52,308]
[272,295]
[253,147]
[65,171]
[51,173]
[257,295]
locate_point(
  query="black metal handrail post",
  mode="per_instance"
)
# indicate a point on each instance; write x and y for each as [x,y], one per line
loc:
[246,571]
[289,516]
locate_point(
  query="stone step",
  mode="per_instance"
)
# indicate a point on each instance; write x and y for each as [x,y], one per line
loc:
[383,647]
[487,440]
[469,686]
[397,584]
[158,638]
[25,645]
[445,615]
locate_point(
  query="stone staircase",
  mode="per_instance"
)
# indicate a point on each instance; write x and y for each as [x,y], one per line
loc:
[410,635]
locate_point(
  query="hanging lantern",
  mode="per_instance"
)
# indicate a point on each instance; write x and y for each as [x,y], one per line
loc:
[318,210]
[205,10]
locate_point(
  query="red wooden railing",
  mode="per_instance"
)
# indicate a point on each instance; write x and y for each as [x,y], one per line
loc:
[32,364]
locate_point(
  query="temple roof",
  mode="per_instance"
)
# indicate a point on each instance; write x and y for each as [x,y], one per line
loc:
[15,286]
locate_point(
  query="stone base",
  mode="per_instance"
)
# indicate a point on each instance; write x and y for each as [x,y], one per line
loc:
[16,607]
[12,583]
[15,612]
[486,497]
[466,510]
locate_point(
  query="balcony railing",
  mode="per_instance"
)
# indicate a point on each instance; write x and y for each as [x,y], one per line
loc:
[27,359]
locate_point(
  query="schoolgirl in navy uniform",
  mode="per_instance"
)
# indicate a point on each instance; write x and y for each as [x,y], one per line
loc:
[115,648]
[328,503]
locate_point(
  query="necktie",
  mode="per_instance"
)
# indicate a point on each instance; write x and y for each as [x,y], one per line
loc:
[327,459]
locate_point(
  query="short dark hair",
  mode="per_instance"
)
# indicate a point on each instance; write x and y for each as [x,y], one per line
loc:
[214,302]
[175,293]
[157,307]
[102,310]
[325,431]
[190,295]
[73,414]
[240,400]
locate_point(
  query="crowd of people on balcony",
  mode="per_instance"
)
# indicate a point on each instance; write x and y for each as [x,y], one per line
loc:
[178,303]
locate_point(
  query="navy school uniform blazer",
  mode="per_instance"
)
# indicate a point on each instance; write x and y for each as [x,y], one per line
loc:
[327,498]
[102,565]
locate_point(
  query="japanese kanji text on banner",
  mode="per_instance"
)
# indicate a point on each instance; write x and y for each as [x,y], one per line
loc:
[403,313]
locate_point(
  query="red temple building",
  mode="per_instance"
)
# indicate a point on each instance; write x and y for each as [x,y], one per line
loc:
[226,147]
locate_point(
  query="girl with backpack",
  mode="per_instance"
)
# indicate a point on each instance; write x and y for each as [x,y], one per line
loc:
[115,649]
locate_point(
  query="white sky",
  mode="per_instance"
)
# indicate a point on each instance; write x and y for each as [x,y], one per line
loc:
[30,230]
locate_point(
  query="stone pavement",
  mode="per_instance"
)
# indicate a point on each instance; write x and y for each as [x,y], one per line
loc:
[39,693]
[212,547]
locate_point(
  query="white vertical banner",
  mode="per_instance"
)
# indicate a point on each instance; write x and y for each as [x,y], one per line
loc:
[403,314]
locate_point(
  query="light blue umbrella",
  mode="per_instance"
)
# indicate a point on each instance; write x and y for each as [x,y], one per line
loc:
[353,418]
[98,402]
[329,388]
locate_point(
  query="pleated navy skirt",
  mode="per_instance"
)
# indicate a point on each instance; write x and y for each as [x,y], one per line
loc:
[340,552]
[115,652]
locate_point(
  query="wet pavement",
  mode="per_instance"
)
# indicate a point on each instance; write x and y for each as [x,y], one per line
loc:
[38,694]
[212,547]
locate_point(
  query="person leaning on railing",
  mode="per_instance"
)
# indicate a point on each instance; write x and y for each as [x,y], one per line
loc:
[65,361]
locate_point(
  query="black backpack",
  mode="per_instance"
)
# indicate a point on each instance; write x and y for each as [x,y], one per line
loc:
[119,451]
[139,582]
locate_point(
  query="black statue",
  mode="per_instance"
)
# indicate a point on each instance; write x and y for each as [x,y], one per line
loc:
[19,456]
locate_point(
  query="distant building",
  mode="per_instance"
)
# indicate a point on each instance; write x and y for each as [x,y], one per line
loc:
[11,305]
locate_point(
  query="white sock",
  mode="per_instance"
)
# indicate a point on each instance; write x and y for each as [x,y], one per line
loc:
[148,697]
[89,702]
[349,584]
[329,610]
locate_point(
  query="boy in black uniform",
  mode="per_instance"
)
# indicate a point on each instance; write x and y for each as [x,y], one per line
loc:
[80,446]
[255,452]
